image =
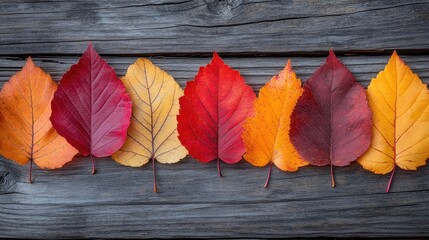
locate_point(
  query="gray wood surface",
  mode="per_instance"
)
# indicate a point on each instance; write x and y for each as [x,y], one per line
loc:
[193,201]
[192,27]
[256,70]
[254,37]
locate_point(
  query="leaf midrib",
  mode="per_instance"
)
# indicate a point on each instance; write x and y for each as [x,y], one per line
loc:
[151,110]
[32,117]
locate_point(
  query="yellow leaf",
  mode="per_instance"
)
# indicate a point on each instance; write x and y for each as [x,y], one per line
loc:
[400,105]
[266,135]
[26,131]
[152,134]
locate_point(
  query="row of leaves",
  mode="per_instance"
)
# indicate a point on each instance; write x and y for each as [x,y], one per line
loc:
[145,116]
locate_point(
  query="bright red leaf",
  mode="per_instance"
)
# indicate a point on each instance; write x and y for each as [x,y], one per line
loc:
[212,112]
[331,123]
[91,108]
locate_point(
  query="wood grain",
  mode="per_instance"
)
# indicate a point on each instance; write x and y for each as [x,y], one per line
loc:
[194,202]
[118,202]
[256,70]
[254,36]
[191,27]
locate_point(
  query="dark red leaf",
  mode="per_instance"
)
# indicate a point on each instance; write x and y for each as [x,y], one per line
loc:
[212,112]
[331,123]
[91,108]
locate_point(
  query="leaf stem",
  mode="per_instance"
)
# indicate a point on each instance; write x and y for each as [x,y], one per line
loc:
[155,189]
[391,178]
[219,171]
[94,170]
[30,178]
[269,175]
[332,176]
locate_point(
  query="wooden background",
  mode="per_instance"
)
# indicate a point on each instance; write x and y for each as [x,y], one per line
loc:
[255,37]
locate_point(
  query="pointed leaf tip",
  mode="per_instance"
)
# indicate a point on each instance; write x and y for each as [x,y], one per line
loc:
[216,58]
[90,50]
[396,58]
[332,56]
[30,63]
[289,65]
[90,45]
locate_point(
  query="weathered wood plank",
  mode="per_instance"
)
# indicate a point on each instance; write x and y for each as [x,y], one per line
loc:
[124,27]
[256,70]
[193,201]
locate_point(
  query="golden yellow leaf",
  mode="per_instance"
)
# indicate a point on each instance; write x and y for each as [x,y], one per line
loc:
[400,105]
[152,134]
[26,131]
[266,134]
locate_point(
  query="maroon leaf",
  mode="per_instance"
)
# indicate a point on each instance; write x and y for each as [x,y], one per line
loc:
[91,108]
[331,123]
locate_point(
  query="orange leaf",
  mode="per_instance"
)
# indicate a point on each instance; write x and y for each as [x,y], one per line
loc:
[266,135]
[26,131]
[399,101]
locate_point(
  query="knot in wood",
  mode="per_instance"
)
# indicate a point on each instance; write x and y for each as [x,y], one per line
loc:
[8,177]
[223,7]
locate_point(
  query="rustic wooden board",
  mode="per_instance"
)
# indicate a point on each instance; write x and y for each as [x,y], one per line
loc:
[193,27]
[256,70]
[193,201]
[255,37]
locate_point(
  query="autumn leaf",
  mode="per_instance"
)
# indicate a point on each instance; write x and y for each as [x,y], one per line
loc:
[152,134]
[266,135]
[400,105]
[91,108]
[212,112]
[331,123]
[26,132]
